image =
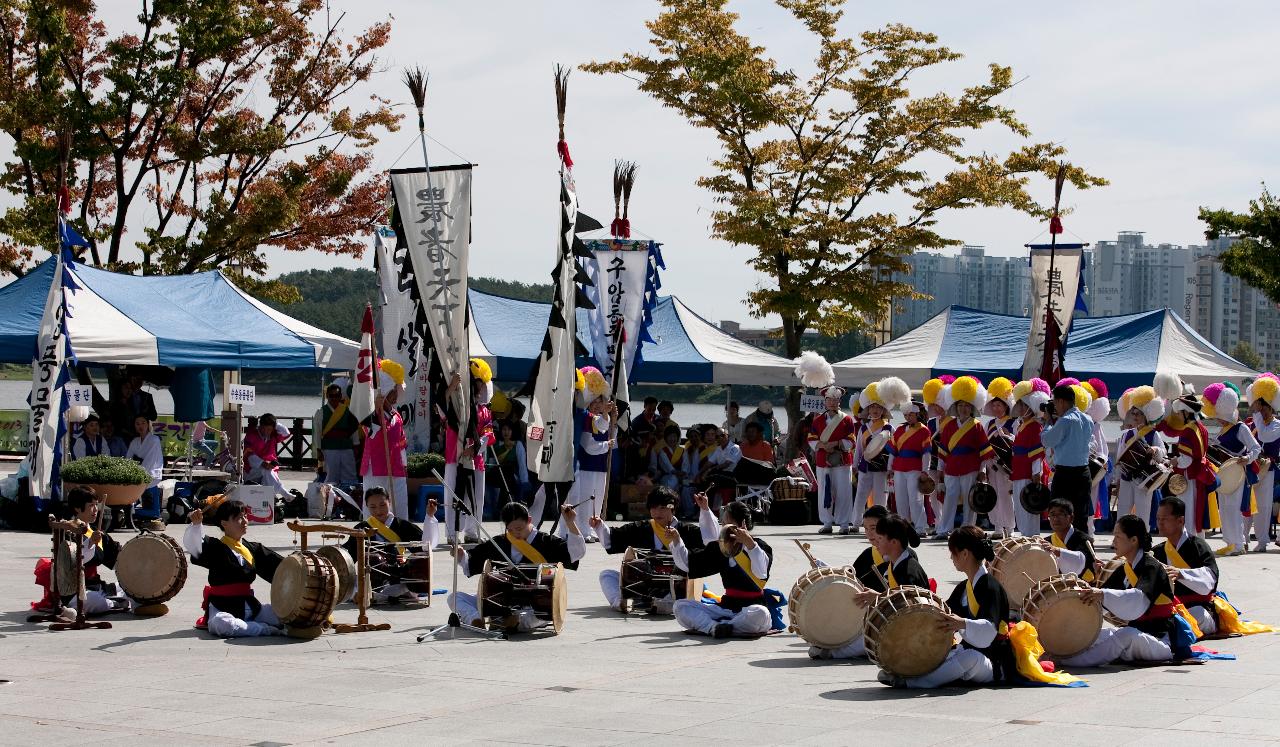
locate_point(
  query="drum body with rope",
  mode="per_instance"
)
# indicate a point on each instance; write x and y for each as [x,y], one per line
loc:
[1002,444]
[503,590]
[1231,473]
[822,609]
[875,454]
[651,575]
[902,632]
[1109,567]
[983,498]
[151,569]
[303,593]
[345,567]
[1066,624]
[1097,469]
[415,572]
[1138,464]
[1019,564]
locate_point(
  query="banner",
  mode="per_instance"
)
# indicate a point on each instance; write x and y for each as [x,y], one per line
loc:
[399,336]
[432,221]
[550,435]
[49,376]
[624,273]
[1053,289]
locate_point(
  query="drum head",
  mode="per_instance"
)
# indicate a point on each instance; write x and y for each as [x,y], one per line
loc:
[826,614]
[1020,563]
[1231,477]
[152,568]
[346,569]
[559,598]
[903,635]
[1067,625]
[288,587]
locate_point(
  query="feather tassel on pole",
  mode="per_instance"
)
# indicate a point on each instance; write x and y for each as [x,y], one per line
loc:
[624,178]
[562,100]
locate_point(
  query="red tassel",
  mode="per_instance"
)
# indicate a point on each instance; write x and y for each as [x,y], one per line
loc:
[1048,667]
[64,200]
[1055,225]
[620,228]
[563,148]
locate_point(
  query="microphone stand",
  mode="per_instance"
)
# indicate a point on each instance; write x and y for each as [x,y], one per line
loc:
[455,623]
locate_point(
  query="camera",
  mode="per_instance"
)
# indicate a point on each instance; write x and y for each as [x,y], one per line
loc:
[1046,408]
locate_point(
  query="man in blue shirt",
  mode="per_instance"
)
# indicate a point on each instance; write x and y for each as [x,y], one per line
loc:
[1069,435]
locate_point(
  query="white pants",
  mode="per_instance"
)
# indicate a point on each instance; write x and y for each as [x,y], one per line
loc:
[751,620]
[841,509]
[611,587]
[226,625]
[851,650]
[1232,519]
[340,466]
[957,494]
[470,525]
[935,498]
[397,489]
[873,485]
[1262,494]
[1002,515]
[95,603]
[1132,499]
[1204,618]
[1028,524]
[1120,644]
[906,492]
[464,606]
[585,486]
[268,477]
[961,663]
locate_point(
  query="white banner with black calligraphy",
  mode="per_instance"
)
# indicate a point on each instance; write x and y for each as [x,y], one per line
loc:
[400,337]
[550,433]
[49,377]
[624,273]
[433,220]
[1055,282]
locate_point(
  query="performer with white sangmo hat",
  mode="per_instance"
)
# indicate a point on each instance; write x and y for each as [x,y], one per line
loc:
[831,438]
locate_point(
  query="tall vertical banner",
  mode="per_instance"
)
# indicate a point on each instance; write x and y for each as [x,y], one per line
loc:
[624,273]
[49,377]
[432,222]
[1055,286]
[550,435]
[400,337]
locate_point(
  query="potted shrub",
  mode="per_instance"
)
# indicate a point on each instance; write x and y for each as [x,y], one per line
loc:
[118,481]
[418,471]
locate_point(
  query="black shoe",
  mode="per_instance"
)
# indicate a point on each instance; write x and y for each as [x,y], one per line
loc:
[889,679]
[723,630]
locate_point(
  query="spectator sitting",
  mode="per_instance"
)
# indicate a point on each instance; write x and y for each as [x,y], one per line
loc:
[131,403]
[261,447]
[756,466]
[668,461]
[733,422]
[148,450]
[90,442]
[721,464]
[763,416]
[665,408]
[116,446]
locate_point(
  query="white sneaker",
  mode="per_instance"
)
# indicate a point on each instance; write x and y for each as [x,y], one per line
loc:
[816,652]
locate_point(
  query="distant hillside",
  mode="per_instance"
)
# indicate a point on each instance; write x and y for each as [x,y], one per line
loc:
[334,300]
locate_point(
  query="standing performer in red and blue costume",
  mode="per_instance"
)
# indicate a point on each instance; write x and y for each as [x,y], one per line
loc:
[964,448]
[935,394]
[998,407]
[1263,396]
[909,452]
[1183,424]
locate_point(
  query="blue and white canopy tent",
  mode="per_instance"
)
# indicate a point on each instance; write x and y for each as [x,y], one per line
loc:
[200,320]
[1123,351]
[686,349]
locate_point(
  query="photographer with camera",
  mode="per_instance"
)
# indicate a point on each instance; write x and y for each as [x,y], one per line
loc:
[1068,433]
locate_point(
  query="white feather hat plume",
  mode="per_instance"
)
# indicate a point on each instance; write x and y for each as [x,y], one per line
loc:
[814,371]
[893,392]
[1168,385]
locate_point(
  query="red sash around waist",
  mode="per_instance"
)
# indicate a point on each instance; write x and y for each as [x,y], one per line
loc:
[243,589]
[1158,612]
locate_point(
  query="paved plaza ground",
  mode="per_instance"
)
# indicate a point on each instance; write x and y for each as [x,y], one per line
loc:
[607,679]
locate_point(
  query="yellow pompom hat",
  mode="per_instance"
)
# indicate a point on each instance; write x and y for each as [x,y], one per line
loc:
[968,389]
[390,376]
[1000,389]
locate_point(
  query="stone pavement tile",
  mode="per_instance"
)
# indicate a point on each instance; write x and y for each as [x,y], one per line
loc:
[1088,735]
[1260,725]
[168,740]
[1131,710]
[746,730]
[236,727]
[18,730]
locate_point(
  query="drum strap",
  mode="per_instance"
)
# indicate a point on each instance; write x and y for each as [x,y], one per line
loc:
[959,435]
[238,547]
[970,597]
[660,532]
[526,549]
[744,562]
[385,532]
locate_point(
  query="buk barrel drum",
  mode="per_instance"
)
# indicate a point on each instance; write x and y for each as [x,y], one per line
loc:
[1020,563]
[415,572]
[651,575]
[303,593]
[1002,445]
[504,590]
[822,609]
[903,635]
[1108,568]
[1066,624]
[152,569]
[345,567]
[1231,473]
[1139,464]
[1097,469]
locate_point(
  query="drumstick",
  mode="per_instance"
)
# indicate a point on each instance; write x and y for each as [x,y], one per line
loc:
[804,548]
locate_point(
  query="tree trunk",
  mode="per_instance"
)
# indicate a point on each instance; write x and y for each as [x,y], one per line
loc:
[791,340]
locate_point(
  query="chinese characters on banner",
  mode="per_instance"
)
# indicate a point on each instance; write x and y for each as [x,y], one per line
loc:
[624,273]
[433,221]
[1053,289]
[399,336]
[49,376]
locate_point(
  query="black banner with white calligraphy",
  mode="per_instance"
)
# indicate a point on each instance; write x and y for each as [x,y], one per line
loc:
[1053,288]
[433,221]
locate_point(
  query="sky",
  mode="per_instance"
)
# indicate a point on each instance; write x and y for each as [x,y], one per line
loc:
[1174,102]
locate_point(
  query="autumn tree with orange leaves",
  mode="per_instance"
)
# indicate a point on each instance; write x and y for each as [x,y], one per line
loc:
[202,134]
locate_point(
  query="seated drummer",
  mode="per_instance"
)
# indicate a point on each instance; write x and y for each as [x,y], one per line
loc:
[523,544]
[1195,569]
[1138,592]
[230,608]
[98,549]
[896,563]
[1071,548]
[743,562]
[655,534]
[979,613]
[391,530]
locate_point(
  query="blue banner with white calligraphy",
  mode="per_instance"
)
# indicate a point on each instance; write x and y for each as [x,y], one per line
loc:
[432,220]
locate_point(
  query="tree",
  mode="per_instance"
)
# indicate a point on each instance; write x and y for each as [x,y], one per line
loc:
[207,131]
[834,178]
[1246,354]
[1254,257]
